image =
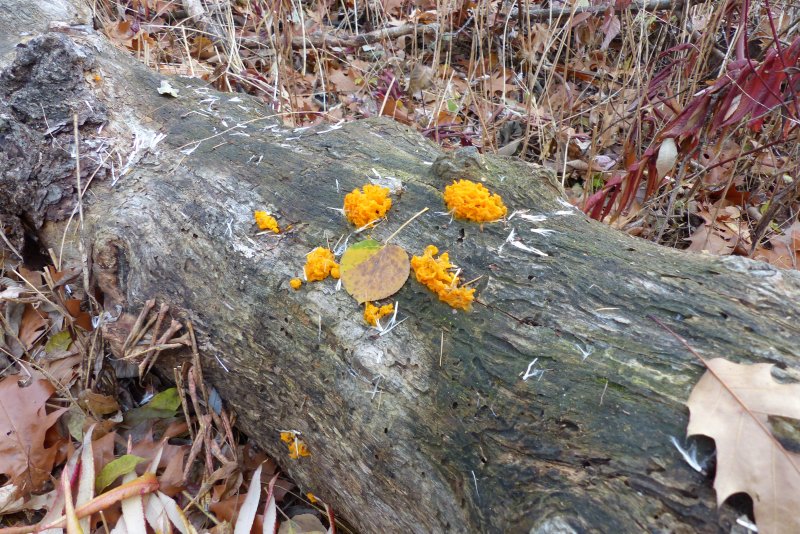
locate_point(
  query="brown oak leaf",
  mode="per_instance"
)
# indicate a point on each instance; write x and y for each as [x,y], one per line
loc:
[732,404]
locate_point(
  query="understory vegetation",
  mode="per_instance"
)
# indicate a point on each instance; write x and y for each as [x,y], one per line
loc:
[673,121]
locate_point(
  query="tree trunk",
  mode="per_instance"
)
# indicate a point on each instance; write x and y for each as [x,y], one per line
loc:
[549,407]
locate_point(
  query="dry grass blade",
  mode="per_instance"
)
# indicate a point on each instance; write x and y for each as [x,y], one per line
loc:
[247,513]
[146,483]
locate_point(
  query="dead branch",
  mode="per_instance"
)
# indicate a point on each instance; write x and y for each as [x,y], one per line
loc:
[328,40]
[565,13]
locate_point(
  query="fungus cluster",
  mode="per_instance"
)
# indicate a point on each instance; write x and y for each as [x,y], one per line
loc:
[367,205]
[373,313]
[362,207]
[434,273]
[473,202]
[266,221]
[320,263]
[297,447]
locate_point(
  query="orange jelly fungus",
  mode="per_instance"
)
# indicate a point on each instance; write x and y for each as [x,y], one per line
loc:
[297,447]
[368,205]
[472,201]
[320,263]
[373,313]
[266,221]
[434,273]
[295,283]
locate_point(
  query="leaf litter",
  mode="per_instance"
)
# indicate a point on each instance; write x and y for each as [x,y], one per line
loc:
[642,137]
[27,448]
[75,445]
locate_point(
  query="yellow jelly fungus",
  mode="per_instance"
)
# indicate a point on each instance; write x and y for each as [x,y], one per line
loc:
[368,205]
[373,313]
[434,273]
[266,221]
[320,263]
[297,447]
[295,283]
[472,201]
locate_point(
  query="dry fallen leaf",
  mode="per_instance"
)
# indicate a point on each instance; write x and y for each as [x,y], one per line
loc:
[302,524]
[717,240]
[731,404]
[24,424]
[149,448]
[97,403]
[667,156]
[785,249]
[722,237]
[32,326]
[358,253]
[344,80]
[374,273]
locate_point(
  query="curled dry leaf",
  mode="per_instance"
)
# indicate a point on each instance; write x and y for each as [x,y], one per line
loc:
[785,249]
[667,156]
[731,404]
[247,513]
[722,231]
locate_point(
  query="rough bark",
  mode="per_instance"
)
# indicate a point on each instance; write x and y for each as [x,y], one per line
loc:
[432,427]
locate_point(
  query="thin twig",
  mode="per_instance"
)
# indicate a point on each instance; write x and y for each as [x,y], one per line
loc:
[328,40]
[386,97]
[165,346]
[564,13]
[8,243]
[223,132]
[81,249]
[129,341]
[405,224]
[441,349]
[80,204]
[465,284]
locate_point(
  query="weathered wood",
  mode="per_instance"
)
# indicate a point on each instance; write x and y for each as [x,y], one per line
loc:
[431,428]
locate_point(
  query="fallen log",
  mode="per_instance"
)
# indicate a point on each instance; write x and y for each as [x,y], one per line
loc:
[550,407]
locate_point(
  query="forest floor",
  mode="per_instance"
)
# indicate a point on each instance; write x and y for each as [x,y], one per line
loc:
[672,121]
